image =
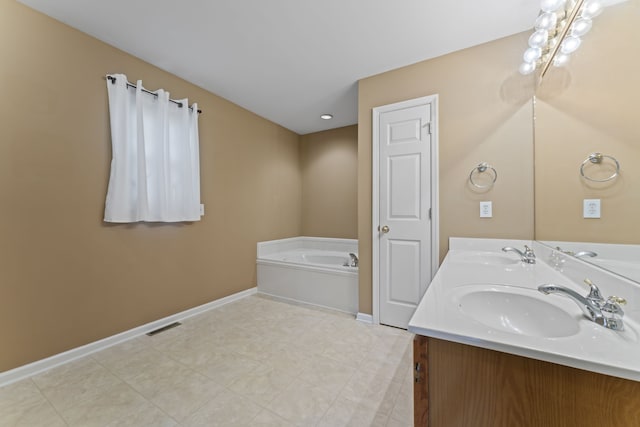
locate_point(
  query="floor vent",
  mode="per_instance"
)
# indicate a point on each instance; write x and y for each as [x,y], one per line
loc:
[164,328]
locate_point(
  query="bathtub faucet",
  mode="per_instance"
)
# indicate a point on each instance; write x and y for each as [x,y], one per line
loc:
[354,260]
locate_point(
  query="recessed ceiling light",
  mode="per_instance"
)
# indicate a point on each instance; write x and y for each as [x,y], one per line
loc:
[326,116]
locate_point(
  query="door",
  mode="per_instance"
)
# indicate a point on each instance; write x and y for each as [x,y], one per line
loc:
[405,198]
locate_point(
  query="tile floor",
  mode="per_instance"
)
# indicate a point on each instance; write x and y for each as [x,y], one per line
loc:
[253,362]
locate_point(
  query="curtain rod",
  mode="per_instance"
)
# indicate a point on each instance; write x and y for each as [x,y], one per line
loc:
[129,84]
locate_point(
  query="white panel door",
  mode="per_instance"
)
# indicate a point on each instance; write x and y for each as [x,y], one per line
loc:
[405,202]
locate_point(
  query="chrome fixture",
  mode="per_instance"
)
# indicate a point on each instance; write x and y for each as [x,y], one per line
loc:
[579,254]
[482,168]
[585,253]
[527,256]
[597,159]
[607,313]
[326,116]
[557,33]
[353,260]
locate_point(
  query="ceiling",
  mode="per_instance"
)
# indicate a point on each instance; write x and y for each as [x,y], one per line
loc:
[290,61]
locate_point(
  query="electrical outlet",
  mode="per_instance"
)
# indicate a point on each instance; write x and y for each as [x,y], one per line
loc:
[486,210]
[201,209]
[591,208]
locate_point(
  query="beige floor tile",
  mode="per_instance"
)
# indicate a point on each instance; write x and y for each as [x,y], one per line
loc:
[289,358]
[392,422]
[262,384]
[135,363]
[116,403]
[226,368]
[73,371]
[345,413]
[403,408]
[228,409]
[21,394]
[327,373]
[302,403]
[267,418]
[377,392]
[157,376]
[121,351]
[147,415]
[257,362]
[22,404]
[75,383]
[185,396]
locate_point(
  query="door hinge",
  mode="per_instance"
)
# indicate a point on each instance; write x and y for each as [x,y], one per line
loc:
[416,373]
[429,213]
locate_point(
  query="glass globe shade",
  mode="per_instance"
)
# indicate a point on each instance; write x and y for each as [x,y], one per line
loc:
[580,27]
[532,54]
[527,68]
[560,60]
[570,45]
[551,5]
[539,38]
[591,9]
[546,21]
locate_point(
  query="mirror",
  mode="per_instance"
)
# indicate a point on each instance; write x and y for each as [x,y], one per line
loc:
[593,106]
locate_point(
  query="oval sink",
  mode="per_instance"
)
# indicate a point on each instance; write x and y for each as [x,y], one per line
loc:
[518,311]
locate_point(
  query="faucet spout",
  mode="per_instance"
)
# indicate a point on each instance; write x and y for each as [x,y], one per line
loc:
[587,305]
[527,256]
[510,249]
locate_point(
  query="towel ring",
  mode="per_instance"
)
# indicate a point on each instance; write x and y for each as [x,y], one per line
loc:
[481,168]
[596,159]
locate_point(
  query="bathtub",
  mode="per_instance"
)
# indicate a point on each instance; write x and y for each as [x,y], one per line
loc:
[311,270]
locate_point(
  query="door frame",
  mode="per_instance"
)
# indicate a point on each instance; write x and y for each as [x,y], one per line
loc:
[375,192]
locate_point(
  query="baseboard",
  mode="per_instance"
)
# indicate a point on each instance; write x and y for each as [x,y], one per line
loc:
[39,366]
[363,317]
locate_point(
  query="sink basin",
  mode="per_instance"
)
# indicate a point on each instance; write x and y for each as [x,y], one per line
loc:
[515,310]
[488,258]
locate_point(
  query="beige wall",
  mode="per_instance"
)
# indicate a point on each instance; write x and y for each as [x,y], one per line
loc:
[592,106]
[485,114]
[329,162]
[68,278]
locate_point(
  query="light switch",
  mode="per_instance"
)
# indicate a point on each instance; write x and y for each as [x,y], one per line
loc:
[201,209]
[486,210]
[591,208]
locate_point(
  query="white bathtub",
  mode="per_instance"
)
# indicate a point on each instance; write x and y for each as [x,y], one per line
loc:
[312,270]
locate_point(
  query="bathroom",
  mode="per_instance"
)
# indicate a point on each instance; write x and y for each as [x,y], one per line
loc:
[74,280]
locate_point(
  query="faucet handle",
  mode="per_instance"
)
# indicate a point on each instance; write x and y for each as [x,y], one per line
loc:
[617,300]
[594,292]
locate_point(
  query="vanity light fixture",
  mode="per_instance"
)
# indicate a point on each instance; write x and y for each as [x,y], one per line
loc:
[558,33]
[326,116]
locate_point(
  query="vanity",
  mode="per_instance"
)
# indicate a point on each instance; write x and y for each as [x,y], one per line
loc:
[493,350]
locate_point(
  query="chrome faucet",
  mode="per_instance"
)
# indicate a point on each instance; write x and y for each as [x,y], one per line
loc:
[607,313]
[527,256]
[577,254]
[585,253]
[354,260]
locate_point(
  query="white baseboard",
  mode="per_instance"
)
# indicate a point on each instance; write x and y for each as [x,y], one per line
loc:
[26,371]
[363,317]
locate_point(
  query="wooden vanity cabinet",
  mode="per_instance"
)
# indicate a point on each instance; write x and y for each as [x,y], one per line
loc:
[458,385]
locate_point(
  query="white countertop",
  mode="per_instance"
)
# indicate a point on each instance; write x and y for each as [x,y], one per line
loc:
[593,347]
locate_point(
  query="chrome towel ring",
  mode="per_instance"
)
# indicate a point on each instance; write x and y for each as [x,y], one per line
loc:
[596,159]
[482,168]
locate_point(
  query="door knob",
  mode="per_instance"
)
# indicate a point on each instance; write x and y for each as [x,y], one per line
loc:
[385,229]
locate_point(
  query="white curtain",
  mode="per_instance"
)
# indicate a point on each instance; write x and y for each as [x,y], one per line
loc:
[155,166]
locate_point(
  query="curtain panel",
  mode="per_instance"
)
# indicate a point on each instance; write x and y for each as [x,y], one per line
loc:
[155,165]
